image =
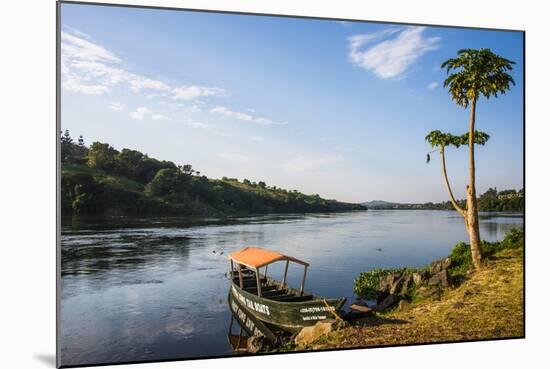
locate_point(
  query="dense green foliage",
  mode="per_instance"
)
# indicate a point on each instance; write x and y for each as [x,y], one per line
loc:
[461,259]
[366,284]
[477,72]
[100,179]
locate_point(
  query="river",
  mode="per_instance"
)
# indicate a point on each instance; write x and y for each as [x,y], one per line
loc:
[143,289]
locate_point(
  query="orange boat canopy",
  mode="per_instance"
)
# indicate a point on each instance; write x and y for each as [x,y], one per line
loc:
[255,257]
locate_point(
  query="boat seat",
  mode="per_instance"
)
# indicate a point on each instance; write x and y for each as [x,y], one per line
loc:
[254,289]
[293,298]
[269,293]
[273,293]
[249,281]
[283,297]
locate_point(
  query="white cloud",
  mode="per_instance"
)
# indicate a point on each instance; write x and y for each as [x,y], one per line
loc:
[140,113]
[159,117]
[90,68]
[77,32]
[433,86]
[236,157]
[345,23]
[194,92]
[310,163]
[191,109]
[78,48]
[389,53]
[74,85]
[183,107]
[116,106]
[243,116]
[138,83]
[195,124]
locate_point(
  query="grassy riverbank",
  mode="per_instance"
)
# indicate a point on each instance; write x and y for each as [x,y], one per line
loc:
[486,305]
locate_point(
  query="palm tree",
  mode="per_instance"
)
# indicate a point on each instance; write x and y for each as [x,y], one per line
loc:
[471,74]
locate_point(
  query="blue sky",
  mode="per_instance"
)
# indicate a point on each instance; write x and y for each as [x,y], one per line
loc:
[335,108]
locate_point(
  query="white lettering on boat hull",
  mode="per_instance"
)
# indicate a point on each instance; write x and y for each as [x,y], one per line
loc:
[256,306]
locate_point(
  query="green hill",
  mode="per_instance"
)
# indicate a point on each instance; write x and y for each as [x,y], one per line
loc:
[102,180]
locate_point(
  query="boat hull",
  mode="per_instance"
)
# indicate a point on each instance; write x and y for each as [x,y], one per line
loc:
[250,323]
[289,316]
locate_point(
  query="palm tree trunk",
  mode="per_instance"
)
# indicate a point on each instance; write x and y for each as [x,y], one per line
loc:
[472,217]
[449,190]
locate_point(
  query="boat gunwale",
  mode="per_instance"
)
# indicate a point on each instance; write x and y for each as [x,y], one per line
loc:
[314,298]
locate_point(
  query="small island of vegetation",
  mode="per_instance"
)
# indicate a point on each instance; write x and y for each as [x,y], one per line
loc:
[99,179]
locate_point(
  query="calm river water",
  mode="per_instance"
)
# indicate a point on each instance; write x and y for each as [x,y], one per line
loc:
[153,289]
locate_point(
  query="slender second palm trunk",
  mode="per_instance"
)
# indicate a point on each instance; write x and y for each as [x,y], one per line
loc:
[472,217]
[449,190]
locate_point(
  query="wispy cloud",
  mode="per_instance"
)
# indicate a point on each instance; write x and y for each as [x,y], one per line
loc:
[194,92]
[235,157]
[76,32]
[92,69]
[159,117]
[195,124]
[389,53]
[302,164]
[116,106]
[345,23]
[244,116]
[140,113]
[433,85]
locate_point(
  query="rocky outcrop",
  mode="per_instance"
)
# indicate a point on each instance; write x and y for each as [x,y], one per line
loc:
[440,265]
[396,287]
[255,344]
[420,277]
[309,334]
[360,307]
[387,302]
[440,279]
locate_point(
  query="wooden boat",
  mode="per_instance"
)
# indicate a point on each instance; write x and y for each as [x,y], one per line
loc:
[272,301]
[249,326]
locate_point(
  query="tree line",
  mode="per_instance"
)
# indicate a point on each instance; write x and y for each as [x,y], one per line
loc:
[490,200]
[99,179]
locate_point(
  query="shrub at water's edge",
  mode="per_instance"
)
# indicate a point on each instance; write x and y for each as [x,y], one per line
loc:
[367,284]
[461,260]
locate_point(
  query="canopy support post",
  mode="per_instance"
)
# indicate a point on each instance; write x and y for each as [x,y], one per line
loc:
[258,282]
[284,275]
[232,270]
[265,272]
[241,283]
[303,281]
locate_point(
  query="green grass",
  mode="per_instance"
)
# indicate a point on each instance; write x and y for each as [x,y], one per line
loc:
[486,304]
